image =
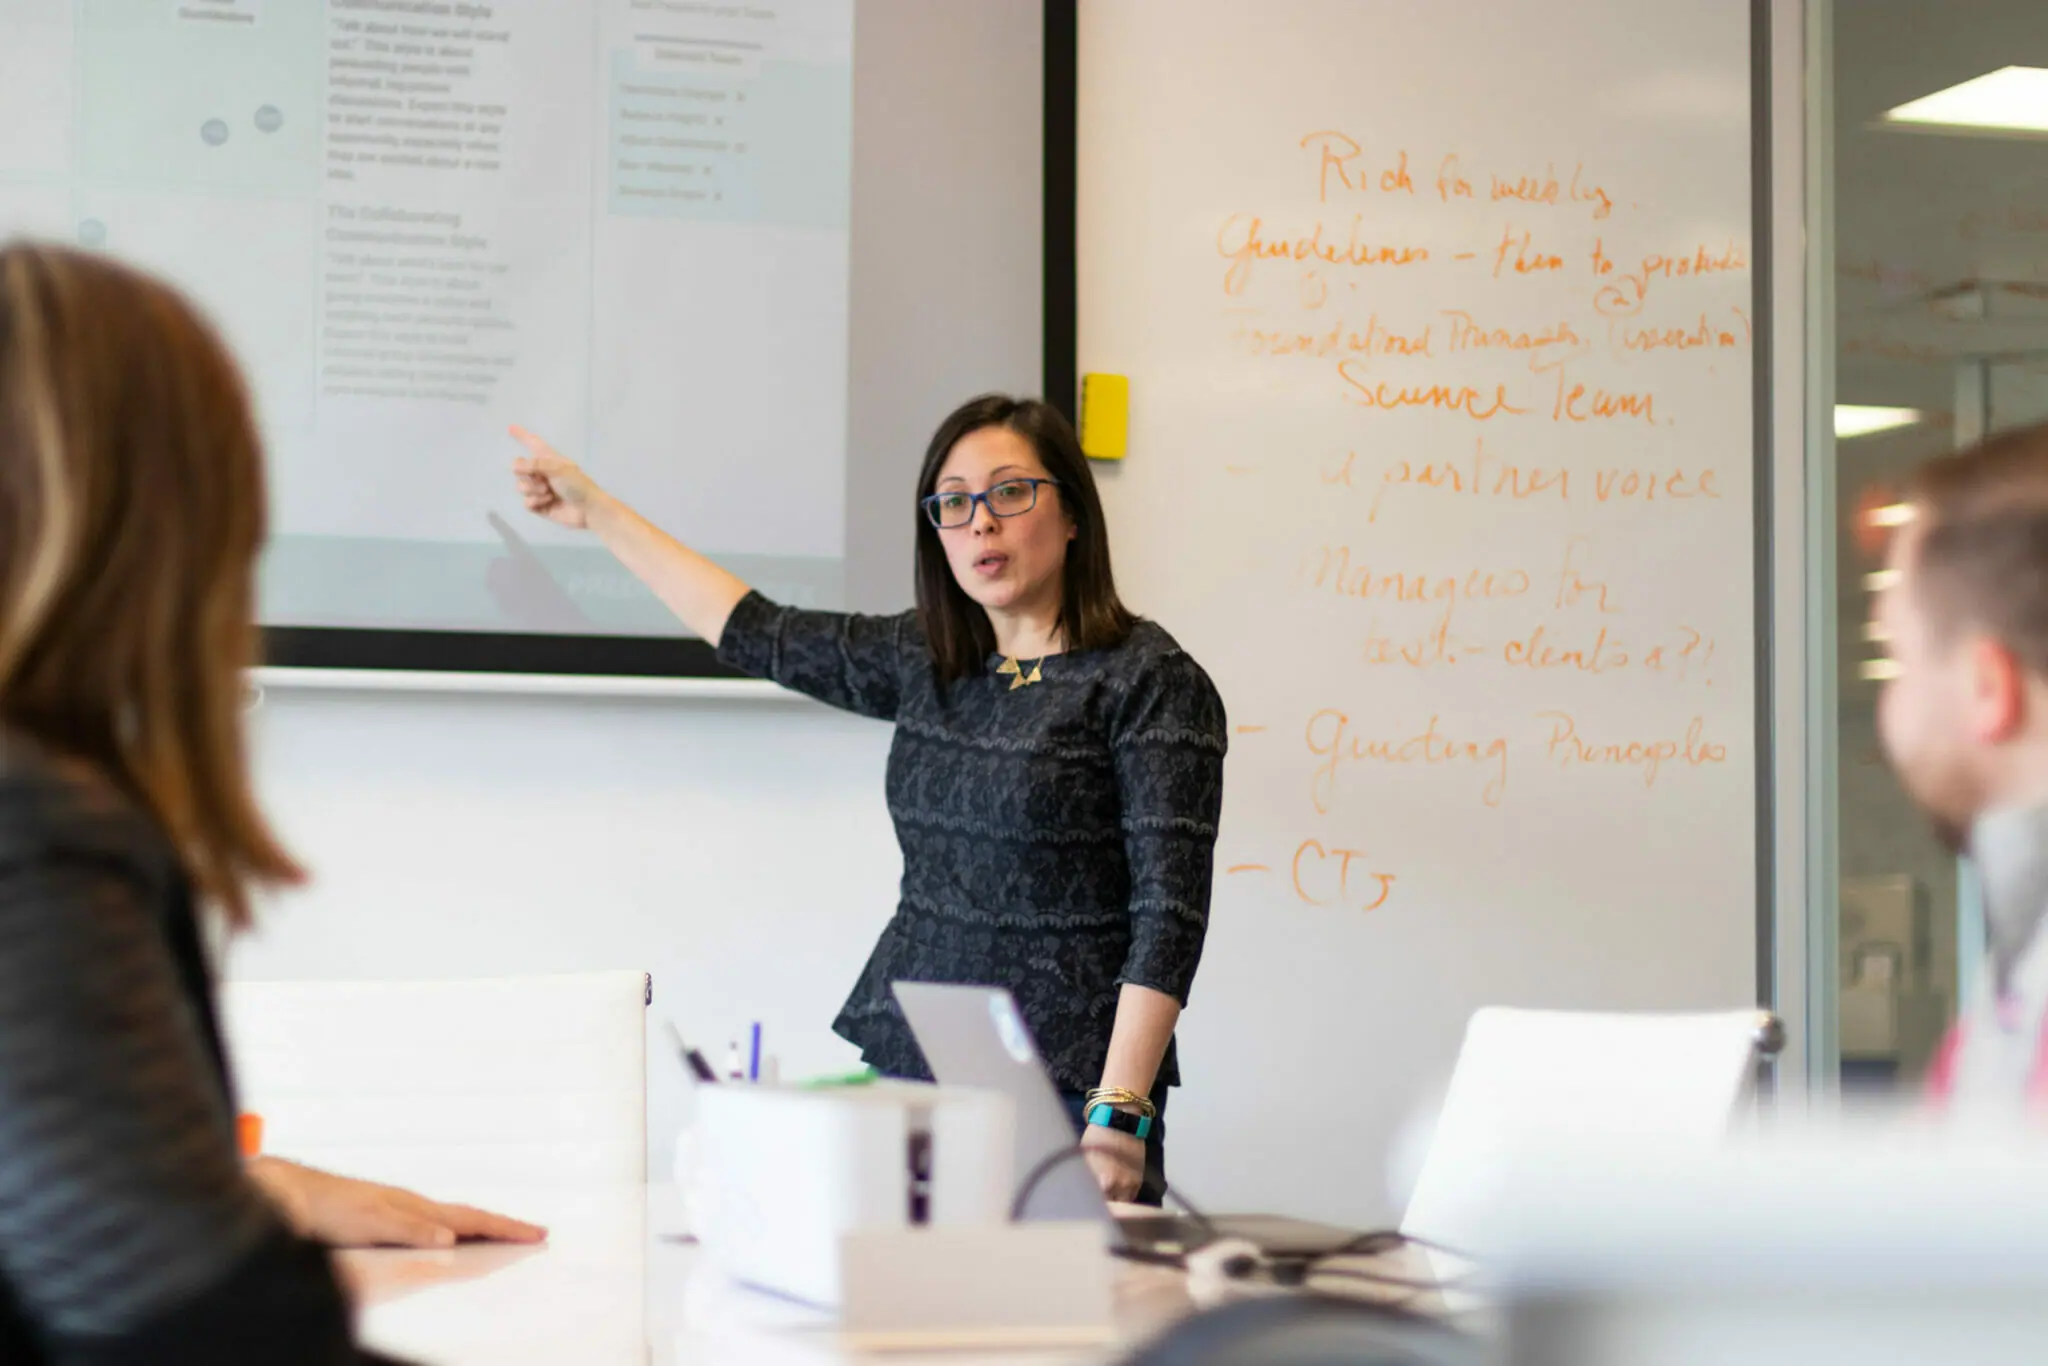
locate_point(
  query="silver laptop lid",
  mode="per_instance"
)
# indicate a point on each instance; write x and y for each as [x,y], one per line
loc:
[975,1036]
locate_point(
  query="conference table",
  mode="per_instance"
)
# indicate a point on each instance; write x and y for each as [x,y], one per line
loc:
[619,1282]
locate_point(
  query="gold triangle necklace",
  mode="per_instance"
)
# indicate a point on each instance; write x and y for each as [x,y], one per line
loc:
[1013,669]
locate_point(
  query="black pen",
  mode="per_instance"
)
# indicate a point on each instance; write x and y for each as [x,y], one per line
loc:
[694,1060]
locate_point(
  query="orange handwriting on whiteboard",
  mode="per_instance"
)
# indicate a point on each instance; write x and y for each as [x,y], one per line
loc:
[1545,189]
[1625,295]
[1462,399]
[1605,653]
[1318,884]
[1573,402]
[1468,334]
[1567,748]
[1507,479]
[1334,154]
[1526,261]
[1331,739]
[1574,588]
[1334,569]
[1484,474]
[1699,261]
[1425,651]
[1375,340]
[1244,239]
[1704,336]
[1616,484]
[1450,180]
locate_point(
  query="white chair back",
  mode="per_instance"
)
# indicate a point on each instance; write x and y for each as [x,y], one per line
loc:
[448,1085]
[1529,1081]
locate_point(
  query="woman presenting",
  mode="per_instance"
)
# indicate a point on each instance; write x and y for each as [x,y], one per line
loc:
[1056,773]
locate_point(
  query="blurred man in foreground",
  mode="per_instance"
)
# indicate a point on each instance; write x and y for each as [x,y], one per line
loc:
[1964,722]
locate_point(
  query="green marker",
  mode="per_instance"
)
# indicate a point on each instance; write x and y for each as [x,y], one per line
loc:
[864,1077]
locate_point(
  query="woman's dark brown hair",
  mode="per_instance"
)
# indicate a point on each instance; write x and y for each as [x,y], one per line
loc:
[131,513]
[1092,617]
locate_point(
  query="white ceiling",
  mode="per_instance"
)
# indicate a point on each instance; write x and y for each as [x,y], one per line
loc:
[1916,213]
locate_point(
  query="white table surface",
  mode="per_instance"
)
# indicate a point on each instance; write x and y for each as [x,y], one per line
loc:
[614,1286]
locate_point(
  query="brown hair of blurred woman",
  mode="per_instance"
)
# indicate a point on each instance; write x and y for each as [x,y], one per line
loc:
[132,510]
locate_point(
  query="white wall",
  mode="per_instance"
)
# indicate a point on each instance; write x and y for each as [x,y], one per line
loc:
[741,853]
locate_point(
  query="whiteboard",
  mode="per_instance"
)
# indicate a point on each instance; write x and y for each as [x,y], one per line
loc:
[1438,322]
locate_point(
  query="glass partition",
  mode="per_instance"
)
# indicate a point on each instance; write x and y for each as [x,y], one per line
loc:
[1940,262]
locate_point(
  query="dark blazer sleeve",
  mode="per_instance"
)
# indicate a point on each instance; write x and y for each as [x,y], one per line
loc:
[129,1232]
[279,1303]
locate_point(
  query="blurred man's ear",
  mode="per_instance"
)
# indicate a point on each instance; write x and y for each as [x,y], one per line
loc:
[1998,691]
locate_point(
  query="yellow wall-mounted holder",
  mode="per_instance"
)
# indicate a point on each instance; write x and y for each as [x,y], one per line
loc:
[1105,416]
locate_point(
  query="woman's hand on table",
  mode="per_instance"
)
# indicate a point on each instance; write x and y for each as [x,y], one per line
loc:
[343,1212]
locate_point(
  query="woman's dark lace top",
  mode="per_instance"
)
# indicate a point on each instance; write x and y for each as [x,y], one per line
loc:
[1058,839]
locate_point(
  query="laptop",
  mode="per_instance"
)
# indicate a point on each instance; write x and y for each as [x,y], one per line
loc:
[975,1036]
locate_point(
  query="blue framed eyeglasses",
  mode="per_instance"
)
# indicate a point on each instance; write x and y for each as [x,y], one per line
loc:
[1011,498]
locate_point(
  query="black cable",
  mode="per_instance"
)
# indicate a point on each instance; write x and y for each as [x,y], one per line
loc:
[1390,1240]
[1374,1245]
[1031,1182]
[1286,1272]
[1309,1270]
[1028,1187]
[1202,1221]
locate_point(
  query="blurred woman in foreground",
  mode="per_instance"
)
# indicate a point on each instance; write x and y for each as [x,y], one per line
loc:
[131,515]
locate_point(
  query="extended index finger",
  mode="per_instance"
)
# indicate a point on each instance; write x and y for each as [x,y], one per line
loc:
[541,449]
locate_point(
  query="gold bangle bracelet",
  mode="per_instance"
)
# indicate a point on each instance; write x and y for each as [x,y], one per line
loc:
[1120,1092]
[1120,1097]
